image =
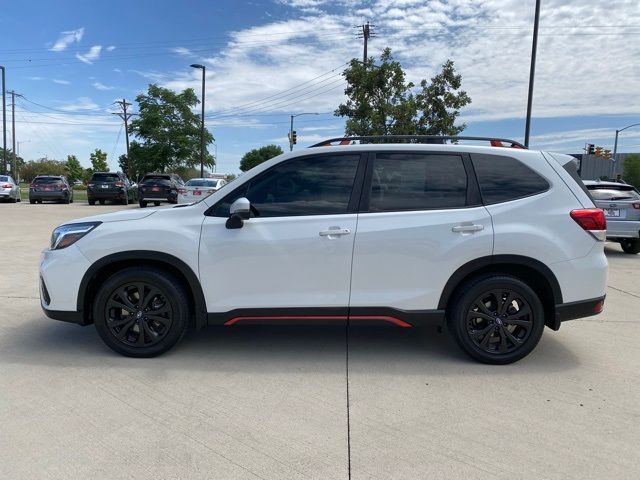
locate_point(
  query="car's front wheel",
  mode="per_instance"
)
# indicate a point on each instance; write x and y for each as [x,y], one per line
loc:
[496,319]
[630,245]
[141,312]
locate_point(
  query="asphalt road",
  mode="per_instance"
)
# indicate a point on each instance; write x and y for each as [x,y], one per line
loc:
[270,402]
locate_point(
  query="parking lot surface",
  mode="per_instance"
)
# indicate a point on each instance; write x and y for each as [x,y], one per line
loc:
[270,402]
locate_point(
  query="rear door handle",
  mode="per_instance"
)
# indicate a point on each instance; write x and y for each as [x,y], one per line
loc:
[331,231]
[467,228]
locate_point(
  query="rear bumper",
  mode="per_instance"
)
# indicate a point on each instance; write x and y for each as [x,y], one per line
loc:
[581,309]
[623,229]
[48,195]
[98,195]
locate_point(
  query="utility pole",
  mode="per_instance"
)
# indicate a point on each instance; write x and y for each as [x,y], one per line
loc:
[13,132]
[4,124]
[532,72]
[365,33]
[125,116]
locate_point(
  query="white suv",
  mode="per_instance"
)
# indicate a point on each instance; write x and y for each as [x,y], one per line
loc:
[495,242]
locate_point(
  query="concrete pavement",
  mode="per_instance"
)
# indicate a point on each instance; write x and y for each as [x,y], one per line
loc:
[269,402]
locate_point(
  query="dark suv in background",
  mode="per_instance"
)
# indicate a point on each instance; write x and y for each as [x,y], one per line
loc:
[111,186]
[50,187]
[159,187]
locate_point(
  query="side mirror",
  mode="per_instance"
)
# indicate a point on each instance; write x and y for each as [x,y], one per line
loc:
[239,211]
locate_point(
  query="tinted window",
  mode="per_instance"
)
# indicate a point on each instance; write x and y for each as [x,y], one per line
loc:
[47,180]
[614,194]
[503,178]
[413,181]
[156,179]
[319,185]
[201,183]
[105,177]
[3,178]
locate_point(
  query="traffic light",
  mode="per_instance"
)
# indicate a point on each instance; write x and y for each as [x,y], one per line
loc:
[590,148]
[598,151]
[606,154]
[294,138]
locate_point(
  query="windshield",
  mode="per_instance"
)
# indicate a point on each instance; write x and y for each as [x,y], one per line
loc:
[201,183]
[614,194]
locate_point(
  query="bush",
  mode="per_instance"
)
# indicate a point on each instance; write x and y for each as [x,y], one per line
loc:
[79,187]
[632,170]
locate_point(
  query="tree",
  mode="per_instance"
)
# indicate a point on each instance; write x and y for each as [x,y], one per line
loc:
[168,132]
[632,170]
[99,161]
[381,102]
[259,155]
[42,166]
[74,170]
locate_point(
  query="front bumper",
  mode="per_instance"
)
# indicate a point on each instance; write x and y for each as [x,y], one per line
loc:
[61,272]
[623,229]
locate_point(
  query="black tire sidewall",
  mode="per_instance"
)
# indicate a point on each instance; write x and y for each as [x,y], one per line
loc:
[462,302]
[631,246]
[170,287]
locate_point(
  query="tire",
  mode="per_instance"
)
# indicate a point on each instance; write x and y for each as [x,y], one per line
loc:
[120,328]
[143,204]
[13,200]
[630,245]
[157,204]
[91,202]
[67,200]
[101,202]
[19,199]
[125,200]
[492,338]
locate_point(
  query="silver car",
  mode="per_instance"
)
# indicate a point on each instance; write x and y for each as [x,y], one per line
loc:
[198,188]
[621,205]
[9,190]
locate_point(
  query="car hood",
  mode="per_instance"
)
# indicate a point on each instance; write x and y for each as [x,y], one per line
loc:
[120,216]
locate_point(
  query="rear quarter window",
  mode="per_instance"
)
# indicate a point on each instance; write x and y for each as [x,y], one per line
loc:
[503,179]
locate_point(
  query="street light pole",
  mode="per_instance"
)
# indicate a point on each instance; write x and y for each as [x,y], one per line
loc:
[532,72]
[615,145]
[204,69]
[4,123]
[291,128]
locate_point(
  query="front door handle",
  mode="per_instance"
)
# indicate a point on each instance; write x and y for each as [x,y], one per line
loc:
[337,231]
[467,228]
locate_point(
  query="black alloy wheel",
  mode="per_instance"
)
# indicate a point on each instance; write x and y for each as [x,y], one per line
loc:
[630,245]
[496,319]
[141,312]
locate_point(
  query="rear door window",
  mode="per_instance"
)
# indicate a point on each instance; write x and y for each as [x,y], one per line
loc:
[503,179]
[416,181]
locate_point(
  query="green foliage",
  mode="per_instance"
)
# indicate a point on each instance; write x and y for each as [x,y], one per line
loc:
[42,166]
[19,163]
[187,173]
[99,161]
[74,170]
[168,132]
[259,155]
[381,102]
[632,170]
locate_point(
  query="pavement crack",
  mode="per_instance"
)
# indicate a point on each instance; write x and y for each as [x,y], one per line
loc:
[624,291]
[17,296]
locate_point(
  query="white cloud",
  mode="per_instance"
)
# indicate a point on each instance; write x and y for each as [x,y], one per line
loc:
[82,103]
[67,38]
[110,48]
[35,78]
[185,52]
[92,55]
[102,86]
[117,70]
[61,82]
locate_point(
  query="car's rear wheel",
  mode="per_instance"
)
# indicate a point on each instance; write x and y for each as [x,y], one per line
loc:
[101,202]
[91,202]
[496,319]
[143,204]
[141,312]
[630,245]
[157,204]
[13,200]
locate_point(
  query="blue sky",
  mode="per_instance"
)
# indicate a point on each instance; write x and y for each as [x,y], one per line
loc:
[269,59]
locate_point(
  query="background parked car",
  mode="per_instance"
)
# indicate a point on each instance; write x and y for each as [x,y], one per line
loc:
[198,188]
[159,187]
[50,187]
[111,186]
[621,205]
[9,190]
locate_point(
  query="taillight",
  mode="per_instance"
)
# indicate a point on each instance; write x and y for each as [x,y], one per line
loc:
[119,184]
[32,185]
[90,185]
[211,190]
[636,205]
[592,220]
[7,185]
[182,191]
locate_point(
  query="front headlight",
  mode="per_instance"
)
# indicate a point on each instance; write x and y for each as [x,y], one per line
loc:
[66,235]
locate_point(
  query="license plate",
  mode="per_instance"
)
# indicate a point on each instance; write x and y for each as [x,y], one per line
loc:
[612,212]
[155,189]
[104,186]
[197,192]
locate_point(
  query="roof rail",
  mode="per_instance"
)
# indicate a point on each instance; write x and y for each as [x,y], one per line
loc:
[435,139]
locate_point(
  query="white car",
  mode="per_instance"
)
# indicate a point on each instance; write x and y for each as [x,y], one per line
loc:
[197,188]
[494,242]
[9,189]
